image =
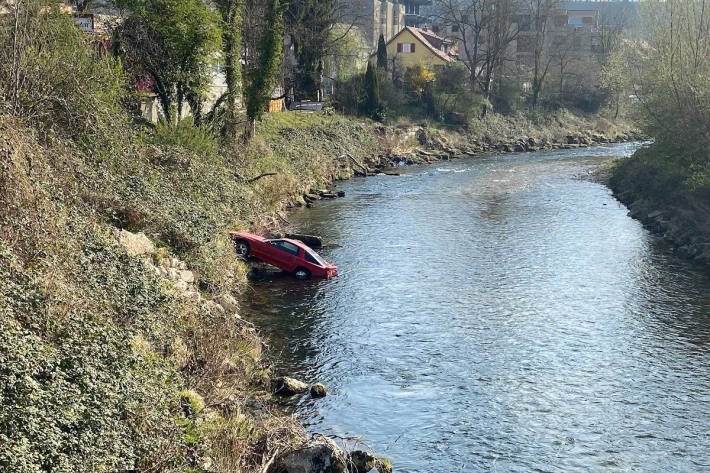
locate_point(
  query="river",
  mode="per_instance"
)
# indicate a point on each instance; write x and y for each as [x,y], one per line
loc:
[497,314]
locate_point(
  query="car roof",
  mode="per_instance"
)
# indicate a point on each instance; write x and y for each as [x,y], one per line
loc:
[298,243]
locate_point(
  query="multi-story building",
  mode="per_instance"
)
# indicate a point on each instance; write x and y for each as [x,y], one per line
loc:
[374,18]
[417,12]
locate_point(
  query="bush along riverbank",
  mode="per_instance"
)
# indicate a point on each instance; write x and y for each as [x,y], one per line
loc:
[669,196]
[333,148]
[123,348]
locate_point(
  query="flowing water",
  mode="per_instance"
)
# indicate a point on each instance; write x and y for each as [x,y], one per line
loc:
[498,314]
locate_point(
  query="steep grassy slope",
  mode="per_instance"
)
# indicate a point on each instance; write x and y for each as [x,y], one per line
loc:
[106,366]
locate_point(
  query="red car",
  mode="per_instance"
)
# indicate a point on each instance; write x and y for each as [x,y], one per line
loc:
[292,256]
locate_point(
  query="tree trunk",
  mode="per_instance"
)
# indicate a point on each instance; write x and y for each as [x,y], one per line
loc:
[164,98]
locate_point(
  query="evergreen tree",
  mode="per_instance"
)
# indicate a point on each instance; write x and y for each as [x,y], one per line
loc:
[382,52]
[372,104]
[230,11]
[262,76]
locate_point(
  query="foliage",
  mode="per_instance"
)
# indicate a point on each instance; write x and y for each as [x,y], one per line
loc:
[506,97]
[261,76]
[381,52]
[349,94]
[419,80]
[309,24]
[230,12]
[56,81]
[673,74]
[174,42]
[451,99]
[76,393]
[347,55]
[372,105]
[668,70]
[197,139]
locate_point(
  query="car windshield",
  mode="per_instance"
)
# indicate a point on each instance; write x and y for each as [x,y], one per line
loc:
[314,257]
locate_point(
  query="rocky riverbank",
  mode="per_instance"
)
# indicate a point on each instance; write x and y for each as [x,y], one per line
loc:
[662,202]
[424,144]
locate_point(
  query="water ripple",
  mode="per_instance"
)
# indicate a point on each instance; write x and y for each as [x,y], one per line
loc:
[505,318]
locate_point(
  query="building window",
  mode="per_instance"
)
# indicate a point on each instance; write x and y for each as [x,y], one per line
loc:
[411,9]
[405,47]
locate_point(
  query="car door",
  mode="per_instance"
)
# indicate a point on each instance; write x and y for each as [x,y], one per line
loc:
[283,254]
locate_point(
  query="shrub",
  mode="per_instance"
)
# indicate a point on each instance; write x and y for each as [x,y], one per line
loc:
[57,80]
[196,139]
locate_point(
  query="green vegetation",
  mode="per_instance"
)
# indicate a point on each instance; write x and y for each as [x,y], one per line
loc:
[372,104]
[230,10]
[173,42]
[308,23]
[262,71]
[381,53]
[99,353]
[668,70]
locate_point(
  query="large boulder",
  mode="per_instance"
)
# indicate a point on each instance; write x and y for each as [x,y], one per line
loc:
[136,244]
[286,386]
[321,455]
[311,240]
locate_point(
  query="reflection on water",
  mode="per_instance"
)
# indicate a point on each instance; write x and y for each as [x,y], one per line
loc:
[498,315]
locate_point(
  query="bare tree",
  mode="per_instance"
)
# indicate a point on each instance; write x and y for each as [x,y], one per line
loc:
[500,32]
[540,13]
[465,20]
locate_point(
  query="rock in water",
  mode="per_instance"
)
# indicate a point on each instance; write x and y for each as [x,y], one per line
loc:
[317,456]
[310,240]
[364,462]
[286,386]
[319,390]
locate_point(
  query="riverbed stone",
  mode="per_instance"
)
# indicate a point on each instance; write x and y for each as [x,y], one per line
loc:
[286,386]
[319,390]
[310,240]
[360,461]
[321,455]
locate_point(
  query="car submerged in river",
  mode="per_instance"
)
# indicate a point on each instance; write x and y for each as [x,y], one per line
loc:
[292,256]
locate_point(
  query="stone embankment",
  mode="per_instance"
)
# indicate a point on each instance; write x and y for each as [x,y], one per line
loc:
[174,270]
[680,227]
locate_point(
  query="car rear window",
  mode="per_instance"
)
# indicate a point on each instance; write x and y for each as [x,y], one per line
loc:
[313,257]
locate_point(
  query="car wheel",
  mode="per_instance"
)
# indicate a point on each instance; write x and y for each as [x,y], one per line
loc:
[302,273]
[242,248]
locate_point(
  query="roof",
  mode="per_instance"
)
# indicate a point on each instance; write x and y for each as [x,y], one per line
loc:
[422,36]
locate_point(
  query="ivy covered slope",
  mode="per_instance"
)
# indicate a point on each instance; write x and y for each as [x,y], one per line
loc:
[105,364]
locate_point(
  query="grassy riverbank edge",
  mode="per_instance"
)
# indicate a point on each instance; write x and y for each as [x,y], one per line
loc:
[115,361]
[659,196]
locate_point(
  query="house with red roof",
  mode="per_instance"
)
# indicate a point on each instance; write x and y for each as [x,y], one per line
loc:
[415,46]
